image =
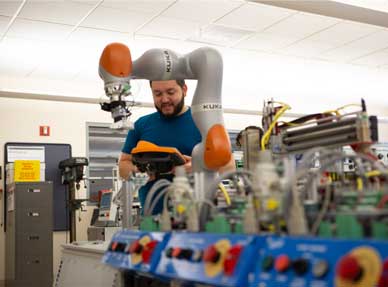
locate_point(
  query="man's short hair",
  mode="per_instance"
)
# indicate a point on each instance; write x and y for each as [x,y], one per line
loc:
[180,83]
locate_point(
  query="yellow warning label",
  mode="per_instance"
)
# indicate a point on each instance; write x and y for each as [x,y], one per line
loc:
[27,170]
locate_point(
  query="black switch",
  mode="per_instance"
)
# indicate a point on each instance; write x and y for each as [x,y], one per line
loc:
[300,266]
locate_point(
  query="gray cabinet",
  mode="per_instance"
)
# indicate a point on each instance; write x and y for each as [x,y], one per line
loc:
[29,236]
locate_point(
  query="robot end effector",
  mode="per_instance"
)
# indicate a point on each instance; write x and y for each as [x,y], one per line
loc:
[115,69]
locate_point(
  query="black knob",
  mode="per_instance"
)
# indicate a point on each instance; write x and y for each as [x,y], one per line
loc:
[169,252]
[267,263]
[300,266]
[186,254]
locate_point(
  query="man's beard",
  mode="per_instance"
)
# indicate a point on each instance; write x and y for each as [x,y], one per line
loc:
[177,109]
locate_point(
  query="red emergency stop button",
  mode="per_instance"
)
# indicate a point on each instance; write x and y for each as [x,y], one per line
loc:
[211,254]
[349,269]
[135,247]
[148,250]
[282,263]
[231,259]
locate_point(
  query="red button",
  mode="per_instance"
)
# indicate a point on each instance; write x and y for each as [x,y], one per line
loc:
[135,247]
[211,254]
[148,250]
[231,259]
[114,246]
[282,263]
[176,251]
[349,269]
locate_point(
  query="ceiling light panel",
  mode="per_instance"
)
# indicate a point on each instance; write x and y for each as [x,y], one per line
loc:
[64,12]
[165,27]
[254,16]
[95,40]
[375,60]
[115,19]
[9,8]
[90,35]
[307,48]
[18,57]
[143,6]
[301,25]
[220,35]
[359,48]
[63,67]
[344,32]
[36,30]
[203,11]
[266,42]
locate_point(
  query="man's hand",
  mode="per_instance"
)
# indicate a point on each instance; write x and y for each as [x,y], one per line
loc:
[126,167]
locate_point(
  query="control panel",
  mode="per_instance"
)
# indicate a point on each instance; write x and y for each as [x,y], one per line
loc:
[134,250]
[107,210]
[249,260]
[311,262]
[215,259]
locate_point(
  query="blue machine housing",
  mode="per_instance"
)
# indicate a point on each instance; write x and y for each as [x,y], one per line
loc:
[187,270]
[120,257]
[310,251]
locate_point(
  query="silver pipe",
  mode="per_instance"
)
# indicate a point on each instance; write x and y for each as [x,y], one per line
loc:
[82,100]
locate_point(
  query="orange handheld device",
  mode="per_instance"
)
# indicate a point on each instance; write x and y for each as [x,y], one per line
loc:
[149,157]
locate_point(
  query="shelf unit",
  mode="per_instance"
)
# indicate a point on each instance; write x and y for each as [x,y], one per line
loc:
[103,148]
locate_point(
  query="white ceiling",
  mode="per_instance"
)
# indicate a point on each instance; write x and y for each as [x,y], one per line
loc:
[62,39]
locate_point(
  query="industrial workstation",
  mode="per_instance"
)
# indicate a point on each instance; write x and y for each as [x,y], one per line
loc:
[193,143]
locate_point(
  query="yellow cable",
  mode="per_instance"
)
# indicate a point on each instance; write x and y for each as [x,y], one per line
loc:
[280,103]
[225,193]
[336,111]
[373,173]
[346,106]
[267,134]
[360,185]
[290,124]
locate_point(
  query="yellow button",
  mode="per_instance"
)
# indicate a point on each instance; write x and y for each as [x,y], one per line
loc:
[180,208]
[272,204]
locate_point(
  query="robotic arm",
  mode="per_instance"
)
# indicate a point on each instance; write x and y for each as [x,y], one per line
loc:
[205,65]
